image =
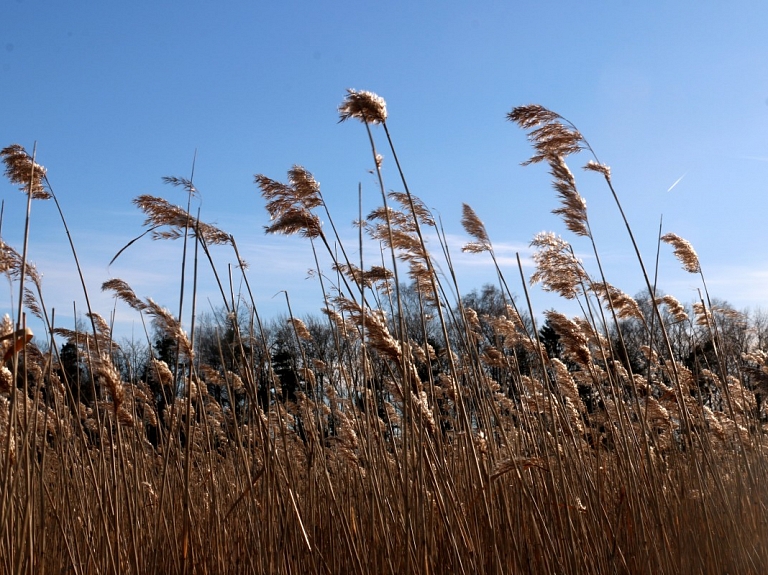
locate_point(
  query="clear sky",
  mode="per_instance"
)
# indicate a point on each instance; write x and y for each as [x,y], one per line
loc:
[118,94]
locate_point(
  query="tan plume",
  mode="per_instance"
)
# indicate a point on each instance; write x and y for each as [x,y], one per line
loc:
[684,252]
[162,214]
[551,138]
[474,226]
[557,268]
[365,106]
[574,208]
[21,170]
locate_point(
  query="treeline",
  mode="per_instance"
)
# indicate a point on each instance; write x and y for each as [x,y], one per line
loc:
[283,357]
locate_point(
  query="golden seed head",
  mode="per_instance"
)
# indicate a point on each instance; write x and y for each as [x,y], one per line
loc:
[365,106]
[301,329]
[684,252]
[557,268]
[20,169]
[551,135]
[601,168]
[674,307]
[474,226]
[6,380]
[531,116]
[176,221]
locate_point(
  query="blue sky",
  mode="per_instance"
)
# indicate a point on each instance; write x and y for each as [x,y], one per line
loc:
[117,95]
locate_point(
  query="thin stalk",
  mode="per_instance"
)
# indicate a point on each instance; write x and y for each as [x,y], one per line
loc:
[568,524]
[188,432]
[11,431]
[74,255]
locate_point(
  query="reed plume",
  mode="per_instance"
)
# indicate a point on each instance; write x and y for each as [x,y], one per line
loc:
[573,337]
[475,228]
[124,292]
[674,307]
[574,208]
[624,305]
[169,222]
[557,269]
[684,252]
[23,171]
[364,106]
[551,135]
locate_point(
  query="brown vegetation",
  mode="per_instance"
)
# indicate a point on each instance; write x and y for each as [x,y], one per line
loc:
[404,432]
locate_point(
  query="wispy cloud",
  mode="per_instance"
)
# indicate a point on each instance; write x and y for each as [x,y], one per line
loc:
[153,269]
[743,286]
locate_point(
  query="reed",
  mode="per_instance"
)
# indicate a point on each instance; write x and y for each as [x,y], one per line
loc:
[410,429]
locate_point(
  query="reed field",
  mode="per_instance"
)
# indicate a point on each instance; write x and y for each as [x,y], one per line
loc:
[406,428]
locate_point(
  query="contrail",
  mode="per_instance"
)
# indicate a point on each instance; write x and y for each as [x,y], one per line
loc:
[680,179]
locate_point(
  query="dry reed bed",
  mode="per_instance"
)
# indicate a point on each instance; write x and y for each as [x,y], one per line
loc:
[456,444]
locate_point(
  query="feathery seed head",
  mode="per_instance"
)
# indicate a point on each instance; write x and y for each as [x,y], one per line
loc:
[684,252]
[159,372]
[565,382]
[6,379]
[703,315]
[601,168]
[574,208]
[475,228]
[472,318]
[105,371]
[656,412]
[301,329]
[352,272]
[365,106]
[6,325]
[124,292]
[161,213]
[531,116]
[306,188]
[378,274]
[296,221]
[345,327]
[182,183]
[674,307]
[289,205]
[415,206]
[169,325]
[556,267]
[552,137]
[31,303]
[624,305]
[573,337]
[11,264]
[20,169]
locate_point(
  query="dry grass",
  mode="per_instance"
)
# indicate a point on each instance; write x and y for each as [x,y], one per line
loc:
[409,433]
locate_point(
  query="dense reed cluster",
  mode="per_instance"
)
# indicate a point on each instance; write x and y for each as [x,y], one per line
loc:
[407,429]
